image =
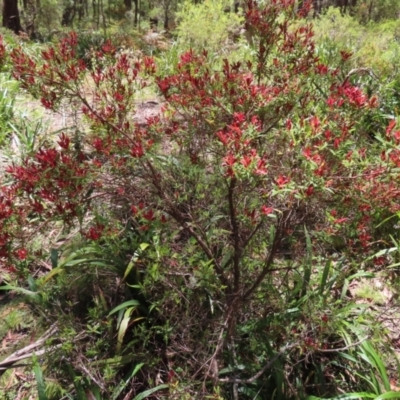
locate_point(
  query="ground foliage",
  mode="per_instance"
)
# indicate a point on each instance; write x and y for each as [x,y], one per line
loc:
[208,252]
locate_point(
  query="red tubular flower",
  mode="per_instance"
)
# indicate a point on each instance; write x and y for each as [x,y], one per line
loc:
[149,215]
[134,210]
[108,48]
[21,253]
[95,232]
[321,69]
[47,103]
[171,375]
[307,153]
[391,126]
[137,150]
[309,191]
[345,55]
[246,160]
[149,65]
[261,168]
[266,210]
[64,141]
[340,220]
[282,180]
[315,123]
[229,160]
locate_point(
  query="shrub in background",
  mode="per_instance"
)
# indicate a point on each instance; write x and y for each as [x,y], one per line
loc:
[207,25]
[376,46]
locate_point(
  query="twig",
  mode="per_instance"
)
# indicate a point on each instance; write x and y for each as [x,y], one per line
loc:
[175,213]
[10,362]
[259,373]
[235,385]
[269,261]
[84,369]
[217,349]
[342,348]
[27,352]
[235,234]
[361,71]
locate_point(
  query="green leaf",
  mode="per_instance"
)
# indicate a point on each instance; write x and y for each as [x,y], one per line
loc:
[348,357]
[80,392]
[383,252]
[376,361]
[393,265]
[357,396]
[39,378]
[19,289]
[94,392]
[54,258]
[389,395]
[227,258]
[394,215]
[144,246]
[324,277]
[344,289]
[32,283]
[125,380]
[135,257]
[272,232]
[126,304]
[361,274]
[226,370]
[70,262]
[117,361]
[307,264]
[123,326]
[148,392]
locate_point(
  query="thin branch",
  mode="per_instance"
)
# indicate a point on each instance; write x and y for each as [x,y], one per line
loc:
[235,385]
[245,243]
[343,348]
[21,353]
[265,368]
[220,343]
[361,71]
[87,372]
[175,213]
[103,120]
[268,263]
[77,92]
[10,362]
[236,238]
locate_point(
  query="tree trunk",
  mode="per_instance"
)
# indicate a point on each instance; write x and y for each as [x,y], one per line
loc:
[81,9]
[317,7]
[30,13]
[166,21]
[68,16]
[11,16]
[135,21]
[166,14]
[128,5]
[95,9]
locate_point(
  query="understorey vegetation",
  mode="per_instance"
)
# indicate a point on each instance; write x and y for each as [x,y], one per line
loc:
[239,243]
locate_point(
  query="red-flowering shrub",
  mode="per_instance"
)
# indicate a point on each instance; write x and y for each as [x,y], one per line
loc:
[242,158]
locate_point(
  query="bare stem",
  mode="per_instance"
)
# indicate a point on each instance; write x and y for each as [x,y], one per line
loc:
[236,237]
[268,263]
[265,368]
